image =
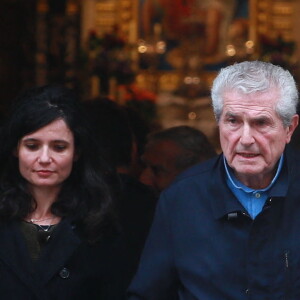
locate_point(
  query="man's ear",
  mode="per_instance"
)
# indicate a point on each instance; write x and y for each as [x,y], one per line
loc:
[292,127]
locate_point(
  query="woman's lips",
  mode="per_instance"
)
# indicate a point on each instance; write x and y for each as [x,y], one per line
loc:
[44,173]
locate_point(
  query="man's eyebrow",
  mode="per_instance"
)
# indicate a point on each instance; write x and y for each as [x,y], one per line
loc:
[230,114]
[261,118]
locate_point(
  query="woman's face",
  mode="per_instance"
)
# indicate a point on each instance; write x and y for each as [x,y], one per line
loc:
[46,156]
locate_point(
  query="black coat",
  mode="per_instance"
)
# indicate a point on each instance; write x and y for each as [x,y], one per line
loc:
[135,208]
[68,268]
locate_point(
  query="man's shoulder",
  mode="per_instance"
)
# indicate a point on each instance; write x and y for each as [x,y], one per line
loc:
[193,188]
[197,176]
[293,156]
[199,170]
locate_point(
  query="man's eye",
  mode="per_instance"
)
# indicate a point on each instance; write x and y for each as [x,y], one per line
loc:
[232,121]
[155,170]
[261,122]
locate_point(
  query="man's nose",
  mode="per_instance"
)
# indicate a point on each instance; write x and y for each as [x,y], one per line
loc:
[247,135]
[146,176]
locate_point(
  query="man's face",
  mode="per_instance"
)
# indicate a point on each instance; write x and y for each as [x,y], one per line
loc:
[252,136]
[160,159]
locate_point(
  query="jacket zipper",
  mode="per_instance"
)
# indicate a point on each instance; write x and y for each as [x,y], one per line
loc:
[287,274]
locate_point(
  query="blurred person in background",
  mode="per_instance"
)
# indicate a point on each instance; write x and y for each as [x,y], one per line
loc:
[112,128]
[170,151]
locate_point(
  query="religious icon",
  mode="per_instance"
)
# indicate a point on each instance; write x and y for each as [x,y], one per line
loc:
[194,32]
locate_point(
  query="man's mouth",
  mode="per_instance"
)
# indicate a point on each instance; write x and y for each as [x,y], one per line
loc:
[247,155]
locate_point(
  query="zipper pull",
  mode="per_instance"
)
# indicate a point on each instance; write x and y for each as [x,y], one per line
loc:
[286,259]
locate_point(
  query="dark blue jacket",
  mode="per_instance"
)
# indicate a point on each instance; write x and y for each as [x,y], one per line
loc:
[203,245]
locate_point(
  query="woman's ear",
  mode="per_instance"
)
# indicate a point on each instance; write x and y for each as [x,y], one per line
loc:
[15,152]
[76,155]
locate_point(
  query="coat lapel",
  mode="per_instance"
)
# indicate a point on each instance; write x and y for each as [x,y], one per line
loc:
[55,255]
[14,254]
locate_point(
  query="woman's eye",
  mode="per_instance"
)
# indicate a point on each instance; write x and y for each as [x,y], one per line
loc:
[31,146]
[59,148]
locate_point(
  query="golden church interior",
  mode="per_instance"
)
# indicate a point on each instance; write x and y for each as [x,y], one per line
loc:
[161,55]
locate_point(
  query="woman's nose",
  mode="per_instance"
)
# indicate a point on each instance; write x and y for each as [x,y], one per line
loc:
[44,156]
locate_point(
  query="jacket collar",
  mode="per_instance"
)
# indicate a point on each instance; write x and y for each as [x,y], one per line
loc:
[14,253]
[224,202]
[63,244]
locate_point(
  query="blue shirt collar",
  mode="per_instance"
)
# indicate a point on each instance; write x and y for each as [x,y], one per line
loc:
[238,185]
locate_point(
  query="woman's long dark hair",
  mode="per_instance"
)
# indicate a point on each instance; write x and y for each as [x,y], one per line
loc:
[86,195]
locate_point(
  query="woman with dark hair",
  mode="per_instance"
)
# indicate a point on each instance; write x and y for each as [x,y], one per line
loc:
[57,232]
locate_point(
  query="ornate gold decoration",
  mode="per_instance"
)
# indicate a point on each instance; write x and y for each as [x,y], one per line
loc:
[273,18]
